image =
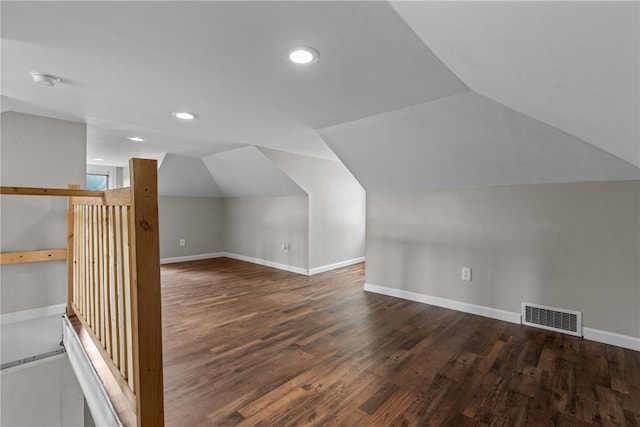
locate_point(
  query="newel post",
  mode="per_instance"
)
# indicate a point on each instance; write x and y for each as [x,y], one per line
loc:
[146,299]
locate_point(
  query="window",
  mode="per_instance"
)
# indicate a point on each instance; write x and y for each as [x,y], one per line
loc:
[97,181]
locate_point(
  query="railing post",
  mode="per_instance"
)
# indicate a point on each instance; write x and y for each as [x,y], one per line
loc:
[146,301]
[70,237]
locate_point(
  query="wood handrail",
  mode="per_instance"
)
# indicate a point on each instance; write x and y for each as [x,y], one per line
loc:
[34,191]
[115,197]
[32,256]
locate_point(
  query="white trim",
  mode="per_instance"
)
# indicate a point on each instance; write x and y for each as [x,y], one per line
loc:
[94,392]
[325,268]
[604,337]
[612,338]
[36,313]
[252,260]
[494,313]
[266,263]
[191,257]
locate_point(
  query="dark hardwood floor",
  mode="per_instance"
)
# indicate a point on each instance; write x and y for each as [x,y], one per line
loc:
[251,346]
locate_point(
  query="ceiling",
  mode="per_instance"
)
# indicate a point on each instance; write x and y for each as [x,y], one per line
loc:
[127,65]
[187,177]
[487,144]
[572,65]
[247,172]
[485,93]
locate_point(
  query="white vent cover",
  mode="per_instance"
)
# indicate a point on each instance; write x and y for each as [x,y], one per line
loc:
[551,318]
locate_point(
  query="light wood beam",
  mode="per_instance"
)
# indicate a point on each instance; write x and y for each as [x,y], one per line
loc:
[33,256]
[32,191]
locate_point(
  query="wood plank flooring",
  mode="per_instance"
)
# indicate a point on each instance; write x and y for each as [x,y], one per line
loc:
[246,345]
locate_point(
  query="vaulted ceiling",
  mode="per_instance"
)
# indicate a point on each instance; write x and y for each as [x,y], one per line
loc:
[406,94]
[572,65]
[247,172]
[466,141]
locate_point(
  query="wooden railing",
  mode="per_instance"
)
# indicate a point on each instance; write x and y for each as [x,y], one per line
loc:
[101,291]
[114,280]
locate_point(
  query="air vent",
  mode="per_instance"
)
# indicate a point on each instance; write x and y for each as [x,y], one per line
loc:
[551,318]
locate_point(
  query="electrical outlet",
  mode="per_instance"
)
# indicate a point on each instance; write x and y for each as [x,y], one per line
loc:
[285,247]
[466,274]
[183,242]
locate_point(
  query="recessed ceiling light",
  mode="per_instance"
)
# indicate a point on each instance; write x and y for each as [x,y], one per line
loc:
[44,79]
[99,159]
[135,138]
[183,115]
[303,55]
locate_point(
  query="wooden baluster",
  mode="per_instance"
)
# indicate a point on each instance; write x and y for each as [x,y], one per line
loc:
[70,252]
[126,337]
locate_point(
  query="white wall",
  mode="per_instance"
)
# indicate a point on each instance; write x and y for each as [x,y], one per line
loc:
[35,152]
[337,207]
[256,227]
[573,246]
[41,393]
[336,211]
[198,220]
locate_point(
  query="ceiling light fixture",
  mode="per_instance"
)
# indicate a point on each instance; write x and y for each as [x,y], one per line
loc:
[44,79]
[303,55]
[135,138]
[99,159]
[183,115]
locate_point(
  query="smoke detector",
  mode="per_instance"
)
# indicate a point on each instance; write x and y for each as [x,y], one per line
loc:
[44,79]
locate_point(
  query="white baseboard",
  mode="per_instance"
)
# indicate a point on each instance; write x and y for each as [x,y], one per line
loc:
[612,338]
[604,337]
[258,261]
[272,264]
[494,313]
[36,313]
[191,257]
[325,268]
[266,263]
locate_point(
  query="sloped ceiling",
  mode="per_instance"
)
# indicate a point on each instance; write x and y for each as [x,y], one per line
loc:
[185,176]
[315,176]
[118,150]
[572,65]
[133,63]
[247,172]
[409,94]
[466,141]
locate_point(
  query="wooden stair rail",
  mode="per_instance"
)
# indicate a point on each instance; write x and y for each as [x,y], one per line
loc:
[113,257]
[32,256]
[115,288]
[74,190]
